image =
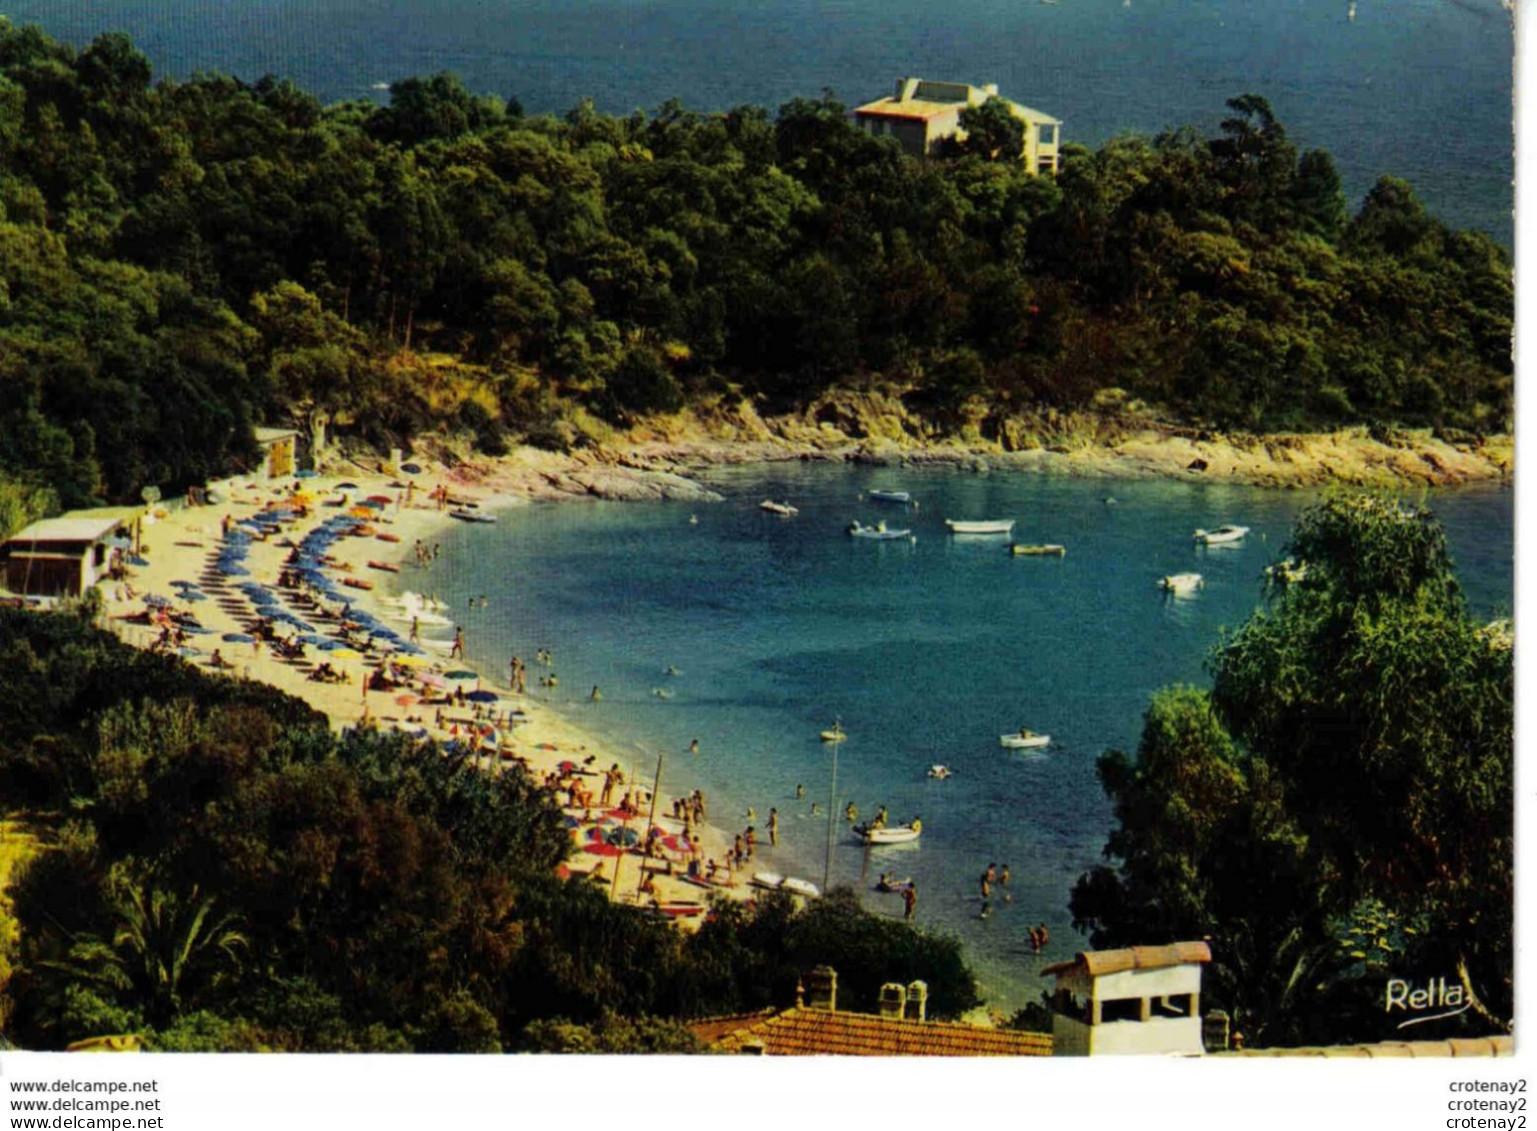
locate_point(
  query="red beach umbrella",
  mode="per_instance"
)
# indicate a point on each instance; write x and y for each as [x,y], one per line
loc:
[602,849]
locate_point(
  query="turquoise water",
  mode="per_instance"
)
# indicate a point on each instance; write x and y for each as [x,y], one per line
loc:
[927,652]
[1417,88]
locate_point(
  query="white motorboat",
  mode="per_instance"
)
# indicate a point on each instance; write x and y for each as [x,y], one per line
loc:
[834,733]
[1023,740]
[890,834]
[890,497]
[1039,550]
[784,510]
[1221,535]
[1181,584]
[980,526]
[878,532]
[464,515]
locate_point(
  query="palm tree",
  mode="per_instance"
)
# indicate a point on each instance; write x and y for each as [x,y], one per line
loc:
[167,949]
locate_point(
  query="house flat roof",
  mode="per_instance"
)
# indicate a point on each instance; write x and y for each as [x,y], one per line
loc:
[914,109]
[269,435]
[66,529]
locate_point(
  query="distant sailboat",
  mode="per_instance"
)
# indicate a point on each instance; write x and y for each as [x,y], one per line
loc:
[1350,12]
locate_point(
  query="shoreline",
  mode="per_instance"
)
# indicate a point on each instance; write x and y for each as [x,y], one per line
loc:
[185,543]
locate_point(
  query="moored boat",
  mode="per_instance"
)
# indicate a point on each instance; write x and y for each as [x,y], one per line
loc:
[1181,583]
[940,772]
[889,497]
[1225,533]
[833,733]
[357,583]
[773,881]
[387,567]
[980,526]
[784,510]
[1024,739]
[889,834]
[1038,550]
[878,532]
[469,516]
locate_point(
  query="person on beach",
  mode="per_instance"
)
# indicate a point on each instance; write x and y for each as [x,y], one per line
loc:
[850,812]
[458,648]
[596,696]
[800,791]
[773,828]
[985,883]
[416,631]
[693,747]
[750,839]
[1003,882]
[909,900]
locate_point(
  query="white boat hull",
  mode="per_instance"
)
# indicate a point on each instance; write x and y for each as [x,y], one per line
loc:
[1181,582]
[1221,536]
[982,526]
[1023,741]
[899,834]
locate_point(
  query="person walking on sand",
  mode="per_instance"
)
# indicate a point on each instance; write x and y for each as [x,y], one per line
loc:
[773,828]
[909,900]
[416,631]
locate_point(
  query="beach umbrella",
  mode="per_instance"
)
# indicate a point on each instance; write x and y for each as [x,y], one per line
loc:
[157,601]
[483,697]
[405,700]
[196,630]
[432,679]
[461,673]
[406,660]
[346,486]
[184,584]
[572,822]
[382,500]
[306,474]
[547,746]
[345,653]
[189,595]
[624,837]
[566,767]
[237,638]
[601,849]
[411,468]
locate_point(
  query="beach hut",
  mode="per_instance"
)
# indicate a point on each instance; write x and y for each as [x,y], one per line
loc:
[64,556]
[278,447]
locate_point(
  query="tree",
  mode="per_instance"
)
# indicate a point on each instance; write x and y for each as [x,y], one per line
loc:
[992,132]
[1356,750]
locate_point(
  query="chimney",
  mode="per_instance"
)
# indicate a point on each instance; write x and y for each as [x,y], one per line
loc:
[917,1001]
[822,989]
[893,1001]
[1214,1031]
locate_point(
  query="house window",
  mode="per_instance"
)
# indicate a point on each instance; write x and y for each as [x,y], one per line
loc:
[1174,1005]
[1120,1009]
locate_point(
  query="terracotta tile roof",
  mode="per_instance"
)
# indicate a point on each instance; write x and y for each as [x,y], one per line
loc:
[1098,962]
[799,1031]
[1459,1046]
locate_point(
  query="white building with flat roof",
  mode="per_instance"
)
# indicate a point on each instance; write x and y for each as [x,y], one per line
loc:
[64,556]
[922,113]
[1143,999]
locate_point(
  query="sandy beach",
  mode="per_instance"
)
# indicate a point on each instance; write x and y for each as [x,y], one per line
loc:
[184,544]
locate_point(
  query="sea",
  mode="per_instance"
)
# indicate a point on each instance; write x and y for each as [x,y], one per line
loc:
[926,651]
[1419,89]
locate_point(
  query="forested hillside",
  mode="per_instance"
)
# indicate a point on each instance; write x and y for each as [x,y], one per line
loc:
[181,259]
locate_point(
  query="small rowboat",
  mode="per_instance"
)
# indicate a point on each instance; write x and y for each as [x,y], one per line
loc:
[784,510]
[890,834]
[357,583]
[1221,535]
[889,497]
[878,532]
[1181,583]
[681,908]
[387,567]
[773,881]
[1046,549]
[388,537]
[980,526]
[1024,740]
[470,516]
[834,733]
